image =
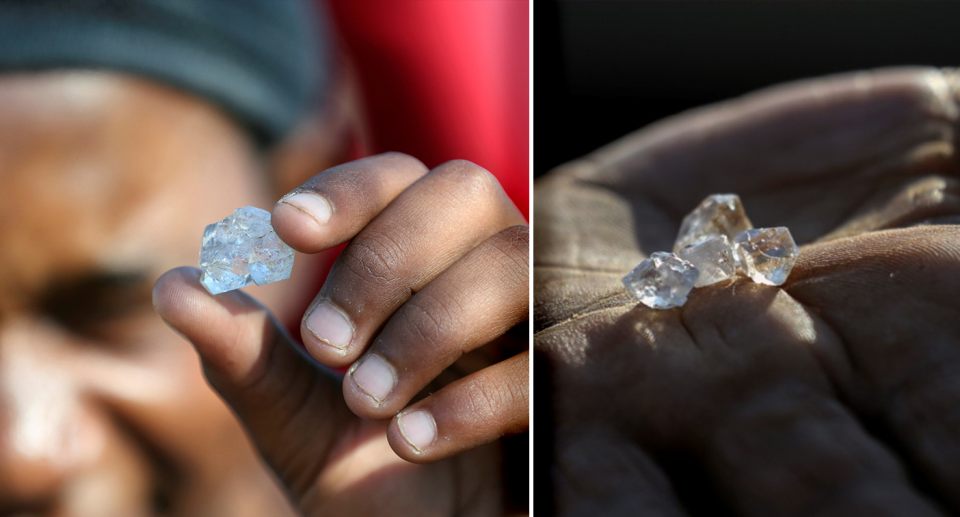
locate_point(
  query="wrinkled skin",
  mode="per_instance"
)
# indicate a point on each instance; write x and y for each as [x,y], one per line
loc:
[436,268]
[835,394]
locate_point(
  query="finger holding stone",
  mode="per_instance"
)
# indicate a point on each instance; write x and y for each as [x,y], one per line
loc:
[426,229]
[477,409]
[291,410]
[461,310]
[333,206]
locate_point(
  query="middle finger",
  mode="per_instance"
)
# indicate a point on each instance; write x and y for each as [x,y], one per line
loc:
[427,228]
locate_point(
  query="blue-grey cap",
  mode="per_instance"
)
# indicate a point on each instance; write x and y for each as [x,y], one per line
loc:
[262,60]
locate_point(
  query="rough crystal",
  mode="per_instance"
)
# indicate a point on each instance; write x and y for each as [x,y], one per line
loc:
[718,214]
[241,250]
[662,281]
[714,257]
[767,254]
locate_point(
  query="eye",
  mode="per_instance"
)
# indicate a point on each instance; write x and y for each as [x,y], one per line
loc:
[107,307]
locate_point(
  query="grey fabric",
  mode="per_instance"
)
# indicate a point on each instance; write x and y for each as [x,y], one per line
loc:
[262,60]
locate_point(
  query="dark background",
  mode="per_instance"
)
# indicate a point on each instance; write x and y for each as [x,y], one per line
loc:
[603,69]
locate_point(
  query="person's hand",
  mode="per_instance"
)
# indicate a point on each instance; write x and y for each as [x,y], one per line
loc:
[436,267]
[837,393]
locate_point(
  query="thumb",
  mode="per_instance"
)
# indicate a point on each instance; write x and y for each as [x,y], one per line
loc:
[292,409]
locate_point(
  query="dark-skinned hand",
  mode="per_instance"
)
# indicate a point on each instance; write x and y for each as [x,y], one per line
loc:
[836,394]
[436,267]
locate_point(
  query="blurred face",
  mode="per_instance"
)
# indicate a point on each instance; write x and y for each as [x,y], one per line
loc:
[105,183]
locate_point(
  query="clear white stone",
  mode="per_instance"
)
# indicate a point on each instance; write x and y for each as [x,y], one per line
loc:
[241,250]
[718,214]
[766,254]
[662,281]
[714,257]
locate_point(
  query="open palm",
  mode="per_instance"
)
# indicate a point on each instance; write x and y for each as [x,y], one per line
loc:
[835,394]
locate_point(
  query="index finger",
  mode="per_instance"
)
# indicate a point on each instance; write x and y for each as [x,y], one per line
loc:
[333,206]
[791,133]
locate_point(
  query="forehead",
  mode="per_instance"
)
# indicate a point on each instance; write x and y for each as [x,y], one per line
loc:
[102,171]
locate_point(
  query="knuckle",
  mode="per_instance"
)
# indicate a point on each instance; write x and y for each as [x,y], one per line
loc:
[514,242]
[469,180]
[373,259]
[485,401]
[432,321]
[405,161]
[511,252]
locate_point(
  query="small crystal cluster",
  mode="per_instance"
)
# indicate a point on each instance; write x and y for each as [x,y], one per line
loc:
[662,281]
[717,241]
[241,250]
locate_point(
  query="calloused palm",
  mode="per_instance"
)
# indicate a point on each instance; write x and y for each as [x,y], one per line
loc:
[836,394]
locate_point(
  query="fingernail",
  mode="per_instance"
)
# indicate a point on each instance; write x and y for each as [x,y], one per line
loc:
[330,326]
[375,377]
[311,204]
[418,429]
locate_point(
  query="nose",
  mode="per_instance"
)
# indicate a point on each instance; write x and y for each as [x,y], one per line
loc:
[45,432]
